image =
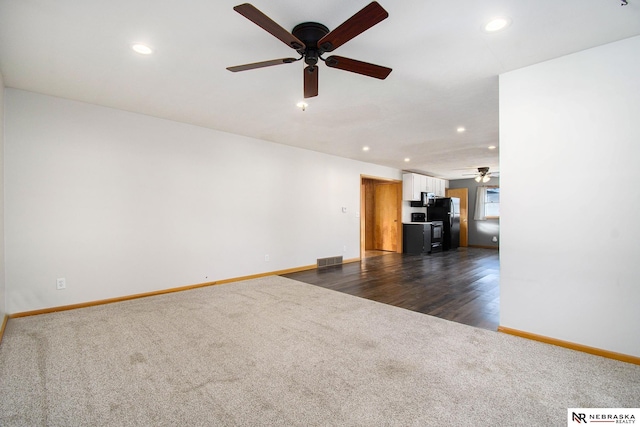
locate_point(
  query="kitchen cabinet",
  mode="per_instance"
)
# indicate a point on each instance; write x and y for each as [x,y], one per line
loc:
[439,187]
[431,184]
[412,185]
[416,238]
[436,186]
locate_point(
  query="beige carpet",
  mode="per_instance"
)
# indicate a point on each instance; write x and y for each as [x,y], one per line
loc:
[276,352]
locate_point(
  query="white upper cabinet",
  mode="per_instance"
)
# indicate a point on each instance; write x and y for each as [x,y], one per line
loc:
[431,184]
[413,184]
[439,187]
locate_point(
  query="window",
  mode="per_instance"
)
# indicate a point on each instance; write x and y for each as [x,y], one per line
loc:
[487,204]
[492,203]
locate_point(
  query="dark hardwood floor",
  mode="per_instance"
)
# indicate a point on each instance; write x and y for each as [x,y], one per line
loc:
[460,285]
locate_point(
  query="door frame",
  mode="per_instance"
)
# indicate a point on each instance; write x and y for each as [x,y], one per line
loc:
[363,218]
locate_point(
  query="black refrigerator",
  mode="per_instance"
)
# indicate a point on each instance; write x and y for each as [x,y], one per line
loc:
[447,210]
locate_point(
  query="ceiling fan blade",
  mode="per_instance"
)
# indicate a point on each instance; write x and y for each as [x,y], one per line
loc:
[364,68]
[311,81]
[366,18]
[262,64]
[253,14]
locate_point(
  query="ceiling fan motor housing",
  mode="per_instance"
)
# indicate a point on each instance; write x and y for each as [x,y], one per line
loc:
[310,33]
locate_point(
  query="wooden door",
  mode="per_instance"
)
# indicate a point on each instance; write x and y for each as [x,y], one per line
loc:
[463,195]
[387,198]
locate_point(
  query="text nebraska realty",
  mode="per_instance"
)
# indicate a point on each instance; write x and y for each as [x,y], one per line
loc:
[604,418]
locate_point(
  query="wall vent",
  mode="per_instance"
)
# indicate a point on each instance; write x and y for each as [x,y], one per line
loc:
[327,262]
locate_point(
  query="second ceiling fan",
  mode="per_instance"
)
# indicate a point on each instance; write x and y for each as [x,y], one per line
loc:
[483,174]
[311,40]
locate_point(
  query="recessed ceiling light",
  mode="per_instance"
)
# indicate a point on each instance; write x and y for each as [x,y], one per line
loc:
[142,49]
[497,24]
[365,148]
[302,105]
[406,159]
[492,147]
[461,129]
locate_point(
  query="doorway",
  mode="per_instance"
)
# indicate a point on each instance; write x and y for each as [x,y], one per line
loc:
[463,195]
[380,216]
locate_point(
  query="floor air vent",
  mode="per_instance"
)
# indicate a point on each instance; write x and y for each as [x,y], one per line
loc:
[326,262]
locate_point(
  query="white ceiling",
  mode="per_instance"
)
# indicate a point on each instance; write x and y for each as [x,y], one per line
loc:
[445,68]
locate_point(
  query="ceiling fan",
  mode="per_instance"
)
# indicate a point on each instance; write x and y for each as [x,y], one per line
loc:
[311,40]
[483,174]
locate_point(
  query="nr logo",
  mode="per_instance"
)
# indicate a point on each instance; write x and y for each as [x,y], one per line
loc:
[579,418]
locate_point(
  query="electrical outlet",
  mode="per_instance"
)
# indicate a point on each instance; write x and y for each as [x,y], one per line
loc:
[61,283]
[266,258]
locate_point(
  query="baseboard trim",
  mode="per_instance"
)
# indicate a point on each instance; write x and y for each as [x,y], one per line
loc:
[484,247]
[570,345]
[160,292]
[4,325]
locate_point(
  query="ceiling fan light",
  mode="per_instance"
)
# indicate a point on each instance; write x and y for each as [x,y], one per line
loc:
[486,178]
[478,178]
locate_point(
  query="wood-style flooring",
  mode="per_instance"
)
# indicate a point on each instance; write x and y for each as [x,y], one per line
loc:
[460,285]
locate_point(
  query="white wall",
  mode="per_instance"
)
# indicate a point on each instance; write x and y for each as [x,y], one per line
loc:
[120,203]
[2,269]
[570,151]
